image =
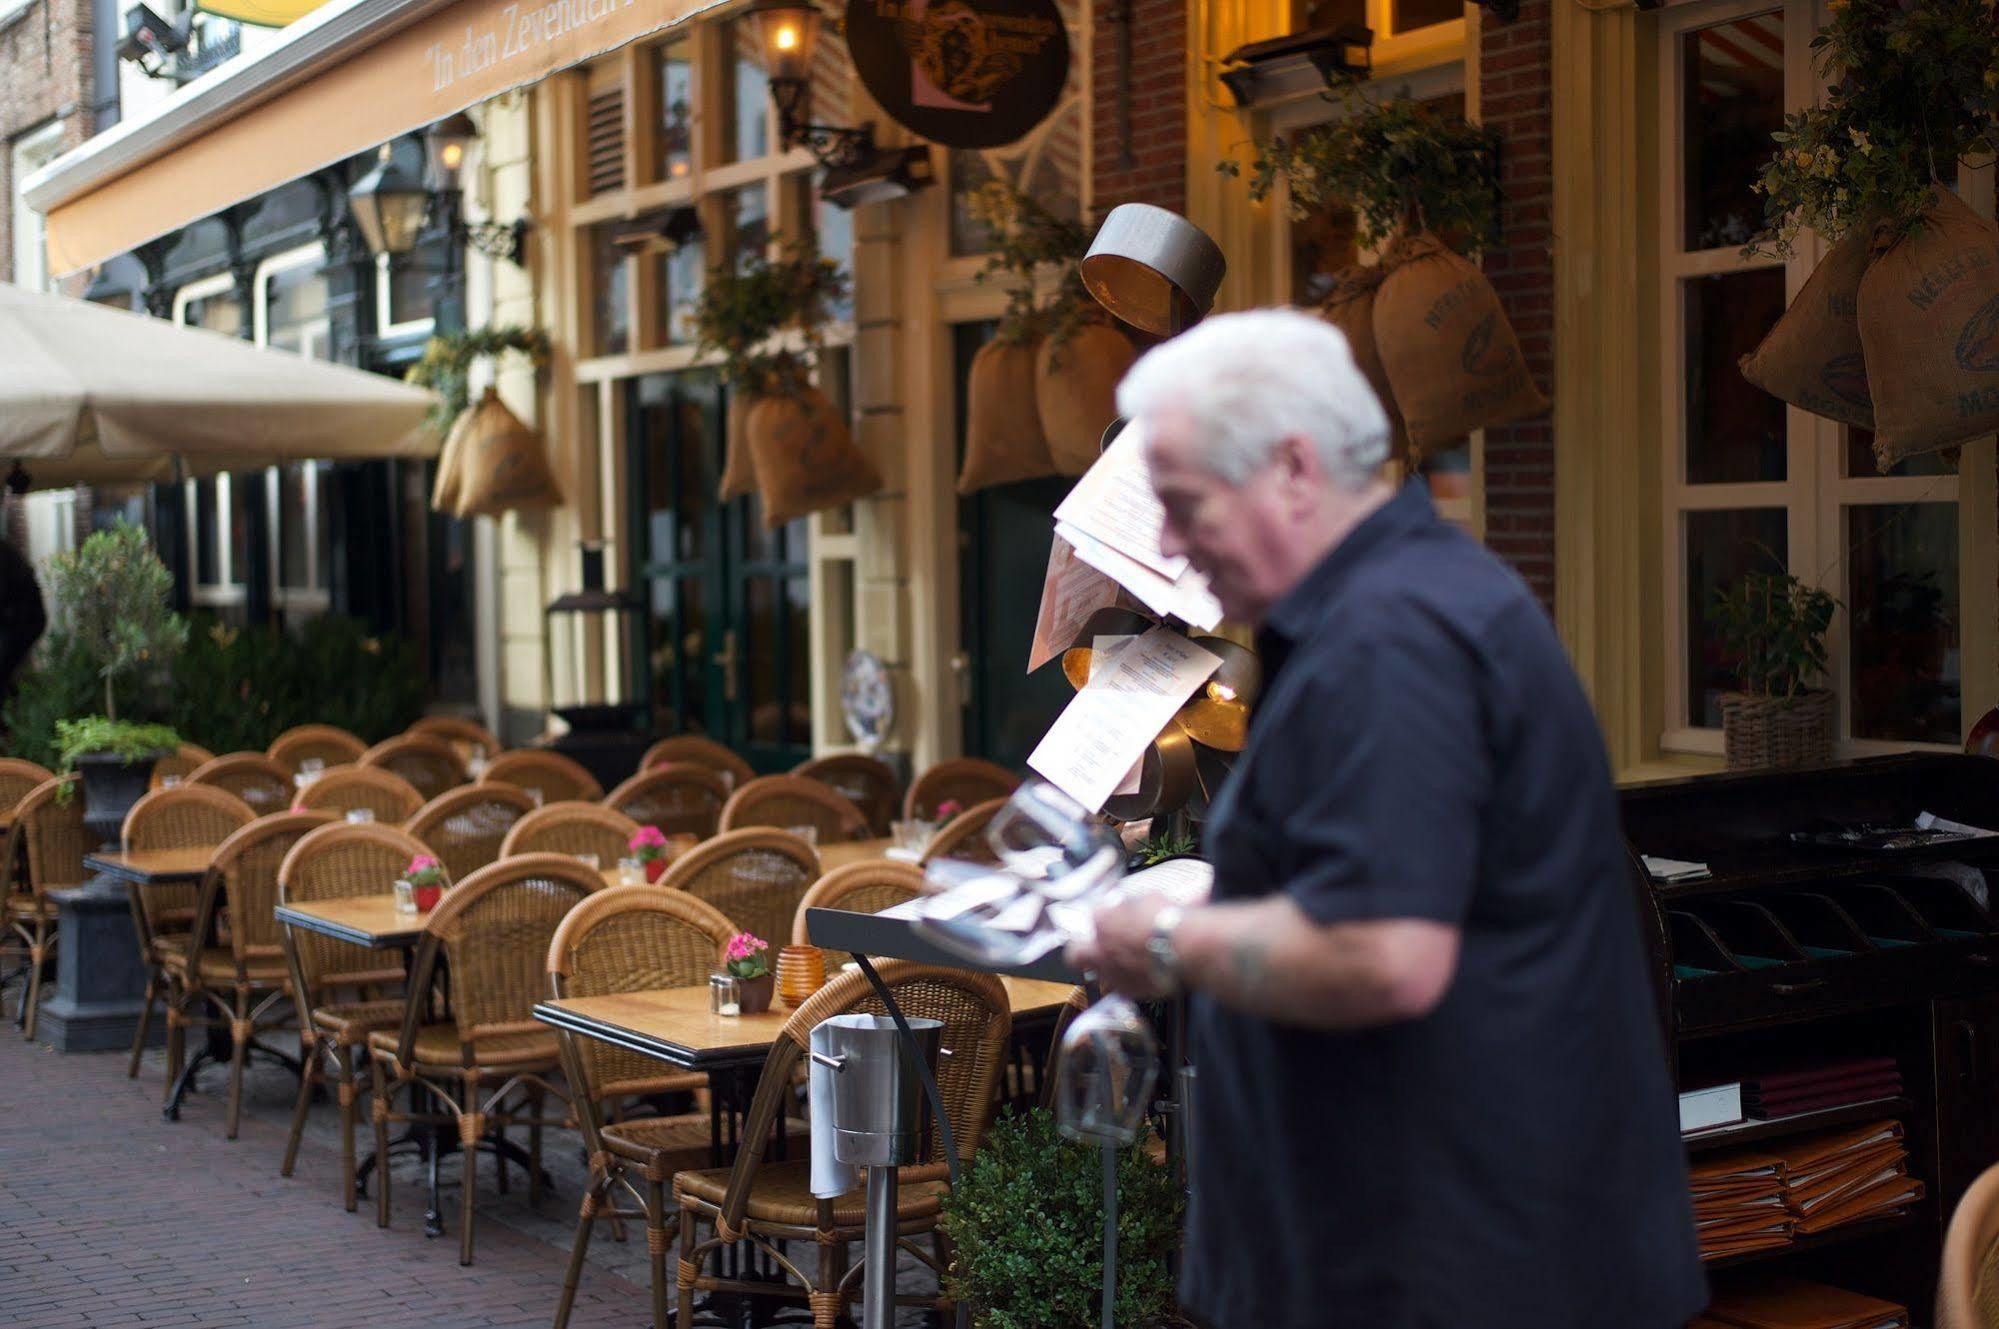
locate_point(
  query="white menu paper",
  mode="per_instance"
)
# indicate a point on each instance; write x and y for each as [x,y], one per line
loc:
[1114,521]
[1106,729]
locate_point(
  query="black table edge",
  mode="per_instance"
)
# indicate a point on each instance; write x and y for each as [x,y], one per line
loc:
[111,867]
[687,1058]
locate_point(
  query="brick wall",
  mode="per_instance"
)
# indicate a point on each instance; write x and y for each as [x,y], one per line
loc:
[1155,171]
[1514,63]
[44,76]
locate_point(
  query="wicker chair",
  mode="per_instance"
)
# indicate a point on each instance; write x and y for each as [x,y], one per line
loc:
[183,761]
[468,738]
[251,776]
[430,765]
[964,836]
[241,986]
[863,888]
[188,816]
[680,799]
[17,778]
[559,779]
[785,801]
[494,930]
[466,826]
[1968,1294]
[331,744]
[633,939]
[963,780]
[48,832]
[692,749]
[344,992]
[344,788]
[767,1203]
[869,783]
[755,877]
[572,829]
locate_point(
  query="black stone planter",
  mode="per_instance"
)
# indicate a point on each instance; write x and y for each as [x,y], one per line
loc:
[111,785]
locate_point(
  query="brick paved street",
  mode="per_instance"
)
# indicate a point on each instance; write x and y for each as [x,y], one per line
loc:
[111,1218]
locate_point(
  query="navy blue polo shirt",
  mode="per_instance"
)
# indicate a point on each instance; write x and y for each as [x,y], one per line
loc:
[1423,749]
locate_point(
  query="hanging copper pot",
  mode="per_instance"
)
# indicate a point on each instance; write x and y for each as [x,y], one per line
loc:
[1218,715]
[1114,621]
[1165,778]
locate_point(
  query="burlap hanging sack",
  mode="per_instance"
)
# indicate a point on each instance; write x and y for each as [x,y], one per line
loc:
[1929,323]
[739,476]
[1075,392]
[1349,306]
[1003,438]
[502,465]
[444,491]
[1812,357]
[804,456]
[1451,357]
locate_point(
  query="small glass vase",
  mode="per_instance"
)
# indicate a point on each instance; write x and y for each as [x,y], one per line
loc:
[405,897]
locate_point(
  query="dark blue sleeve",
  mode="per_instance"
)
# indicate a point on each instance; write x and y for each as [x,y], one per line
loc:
[1389,777]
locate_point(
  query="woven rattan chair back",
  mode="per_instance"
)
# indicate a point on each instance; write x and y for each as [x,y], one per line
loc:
[337,862]
[182,762]
[331,744]
[962,780]
[572,829]
[344,788]
[187,816]
[632,939]
[430,765]
[52,830]
[786,801]
[861,888]
[964,836]
[494,930]
[468,738]
[1968,1294]
[17,777]
[869,783]
[693,749]
[680,799]
[466,826]
[754,877]
[244,880]
[977,1020]
[559,779]
[251,776]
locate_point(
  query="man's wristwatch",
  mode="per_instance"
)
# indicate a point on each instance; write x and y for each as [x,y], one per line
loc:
[1159,947]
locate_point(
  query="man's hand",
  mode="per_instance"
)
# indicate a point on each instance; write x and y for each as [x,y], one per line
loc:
[1118,956]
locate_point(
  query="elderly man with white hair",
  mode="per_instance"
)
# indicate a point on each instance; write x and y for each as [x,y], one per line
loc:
[1433,1092]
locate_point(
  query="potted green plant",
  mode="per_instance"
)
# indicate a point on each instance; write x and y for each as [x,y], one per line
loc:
[111,597]
[747,958]
[788,442]
[1026,1223]
[1772,628]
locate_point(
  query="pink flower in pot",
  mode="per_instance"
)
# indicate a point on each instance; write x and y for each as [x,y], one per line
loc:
[648,845]
[747,958]
[948,809]
[426,878]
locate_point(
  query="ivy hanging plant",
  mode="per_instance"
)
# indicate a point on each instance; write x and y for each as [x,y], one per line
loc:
[1912,89]
[1026,238]
[448,358]
[1397,163]
[767,318]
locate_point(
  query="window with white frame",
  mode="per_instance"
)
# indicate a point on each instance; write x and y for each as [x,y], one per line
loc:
[1311,250]
[30,153]
[1749,483]
[404,305]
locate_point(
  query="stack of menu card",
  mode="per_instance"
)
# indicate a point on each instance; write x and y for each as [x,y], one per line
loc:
[1114,522]
[1850,1176]
[1739,1203]
[1794,1303]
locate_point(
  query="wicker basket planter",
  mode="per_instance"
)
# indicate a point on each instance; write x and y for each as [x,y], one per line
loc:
[1762,732]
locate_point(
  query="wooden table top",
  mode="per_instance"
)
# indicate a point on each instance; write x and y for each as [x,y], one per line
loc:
[365,920]
[153,867]
[839,855]
[675,1024]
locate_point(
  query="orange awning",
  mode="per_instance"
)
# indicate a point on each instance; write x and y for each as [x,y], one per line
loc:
[419,70]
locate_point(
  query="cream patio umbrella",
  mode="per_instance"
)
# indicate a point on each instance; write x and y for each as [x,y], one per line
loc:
[93,394]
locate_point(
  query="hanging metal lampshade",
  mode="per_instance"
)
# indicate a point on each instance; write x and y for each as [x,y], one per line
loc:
[1116,621]
[1153,268]
[1218,715]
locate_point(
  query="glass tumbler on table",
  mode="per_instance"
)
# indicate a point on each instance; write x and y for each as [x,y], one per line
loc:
[405,896]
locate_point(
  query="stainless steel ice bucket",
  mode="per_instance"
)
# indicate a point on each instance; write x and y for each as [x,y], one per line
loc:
[879,1110]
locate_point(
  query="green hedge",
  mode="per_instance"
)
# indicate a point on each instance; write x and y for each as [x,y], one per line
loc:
[231,689]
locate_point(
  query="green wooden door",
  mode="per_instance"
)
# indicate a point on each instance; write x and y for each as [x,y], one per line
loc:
[723,645]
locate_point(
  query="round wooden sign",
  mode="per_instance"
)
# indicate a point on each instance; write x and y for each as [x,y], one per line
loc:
[963,73]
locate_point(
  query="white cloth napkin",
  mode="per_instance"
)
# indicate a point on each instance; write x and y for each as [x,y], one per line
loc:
[830,1177]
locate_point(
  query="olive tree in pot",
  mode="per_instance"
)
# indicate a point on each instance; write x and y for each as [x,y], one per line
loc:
[1772,629]
[111,596]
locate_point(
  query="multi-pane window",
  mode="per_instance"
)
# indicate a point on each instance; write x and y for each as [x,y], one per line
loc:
[1750,483]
